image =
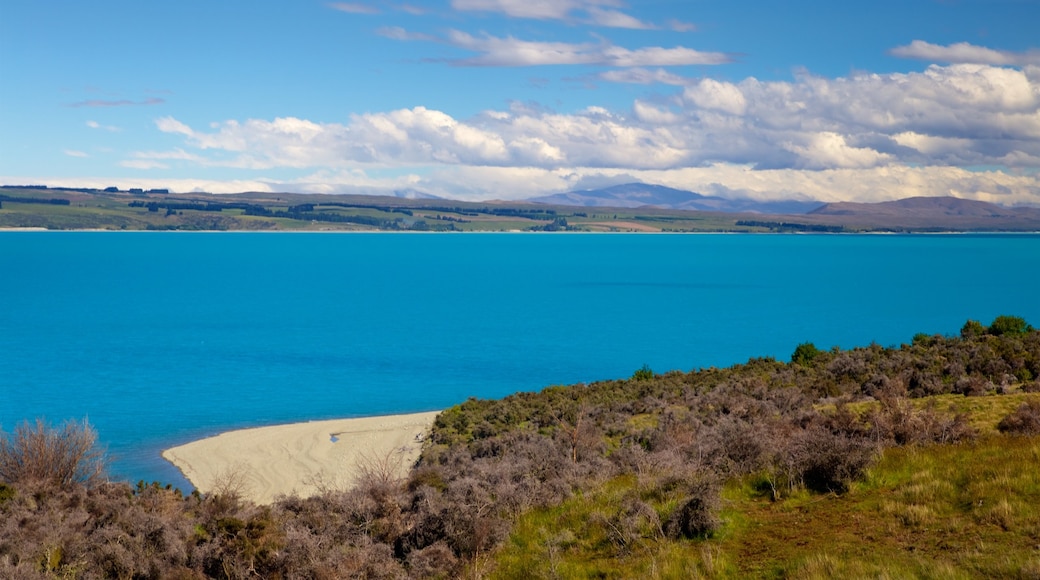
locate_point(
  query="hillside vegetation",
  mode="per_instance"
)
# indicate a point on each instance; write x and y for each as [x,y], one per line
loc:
[911,461]
[111,209]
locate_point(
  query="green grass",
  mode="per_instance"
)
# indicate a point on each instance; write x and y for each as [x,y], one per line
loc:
[959,511]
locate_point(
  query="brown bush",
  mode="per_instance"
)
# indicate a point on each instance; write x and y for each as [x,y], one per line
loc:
[1025,420]
[823,461]
[698,513]
[62,456]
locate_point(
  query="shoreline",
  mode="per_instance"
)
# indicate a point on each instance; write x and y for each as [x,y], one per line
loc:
[261,463]
[482,232]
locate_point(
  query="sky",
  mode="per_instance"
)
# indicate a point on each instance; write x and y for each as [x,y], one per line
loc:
[509,99]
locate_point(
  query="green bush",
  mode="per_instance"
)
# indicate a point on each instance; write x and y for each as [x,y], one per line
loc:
[972,328]
[644,373]
[805,353]
[1009,325]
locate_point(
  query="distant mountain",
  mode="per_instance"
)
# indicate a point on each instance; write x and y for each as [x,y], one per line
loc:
[414,194]
[928,214]
[631,195]
[926,207]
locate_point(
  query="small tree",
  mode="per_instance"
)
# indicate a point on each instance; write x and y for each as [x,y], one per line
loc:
[804,353]
[972,328]
[644,373]
[63,456]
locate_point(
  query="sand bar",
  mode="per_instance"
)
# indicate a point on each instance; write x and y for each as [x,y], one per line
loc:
[301,458]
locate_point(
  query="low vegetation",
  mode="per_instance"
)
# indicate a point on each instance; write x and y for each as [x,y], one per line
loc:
[911,461]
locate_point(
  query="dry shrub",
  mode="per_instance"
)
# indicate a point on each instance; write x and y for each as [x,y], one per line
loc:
[434,561]
[63,456]
[897,421]
[698,513]
[826,462]
[1025,420]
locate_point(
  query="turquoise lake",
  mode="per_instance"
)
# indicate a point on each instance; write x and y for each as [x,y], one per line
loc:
[161,338]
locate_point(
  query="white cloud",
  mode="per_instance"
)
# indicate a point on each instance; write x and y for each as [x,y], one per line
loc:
[616,19]
[354,8]
[598,12]
[965,53]
[509,51]
[398,33]
[827,150]
[643,76]
[717,96]
[982,115]
[801,136]
[75,153]
[96,125]
[171,125]
[653,115]
[604,13]
[144,164]
[680,26]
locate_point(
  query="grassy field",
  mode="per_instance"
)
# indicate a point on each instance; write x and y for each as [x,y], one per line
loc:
[958,511]
[968,510]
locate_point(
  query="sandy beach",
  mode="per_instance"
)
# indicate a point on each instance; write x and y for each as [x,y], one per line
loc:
[301,458]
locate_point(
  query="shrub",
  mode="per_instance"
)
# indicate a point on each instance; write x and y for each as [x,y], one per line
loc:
[1009,325]
[63,456]
[644,373]
[827,462]
[972,328]
[805,353]
[1024,420]
[697,514]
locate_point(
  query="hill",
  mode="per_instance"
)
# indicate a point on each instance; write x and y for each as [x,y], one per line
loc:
[925,212]
[909,461]
[636,195]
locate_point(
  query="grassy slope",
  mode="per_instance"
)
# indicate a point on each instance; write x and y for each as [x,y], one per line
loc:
[970,510]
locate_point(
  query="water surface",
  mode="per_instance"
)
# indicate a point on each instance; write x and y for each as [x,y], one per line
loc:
[160,338]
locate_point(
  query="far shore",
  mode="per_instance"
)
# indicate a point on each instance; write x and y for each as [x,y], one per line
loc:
[302,458]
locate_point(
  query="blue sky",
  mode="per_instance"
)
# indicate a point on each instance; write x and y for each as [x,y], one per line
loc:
[506,99]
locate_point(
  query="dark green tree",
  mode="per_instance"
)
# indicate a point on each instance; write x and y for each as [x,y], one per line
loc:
[644,373]
[972,328]
[805,353]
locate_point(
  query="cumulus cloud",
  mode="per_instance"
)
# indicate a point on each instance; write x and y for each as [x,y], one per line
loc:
[965,53]
[981,115]
[75,153]
[808,134]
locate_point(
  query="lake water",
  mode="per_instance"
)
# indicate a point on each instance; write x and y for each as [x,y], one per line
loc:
[161,338]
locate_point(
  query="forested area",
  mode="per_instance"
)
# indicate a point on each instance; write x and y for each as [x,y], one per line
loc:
[812,425]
